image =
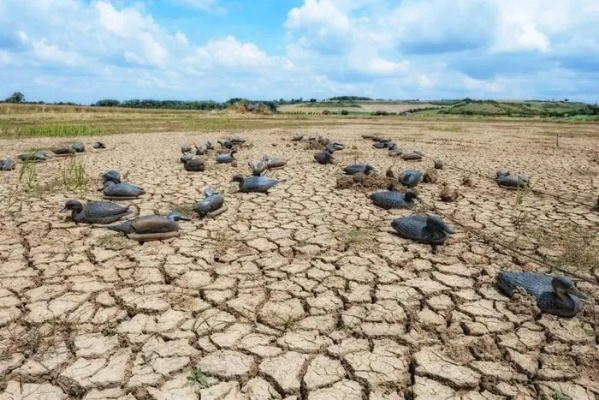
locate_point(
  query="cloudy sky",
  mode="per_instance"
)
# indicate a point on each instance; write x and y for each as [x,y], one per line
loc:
[86,50]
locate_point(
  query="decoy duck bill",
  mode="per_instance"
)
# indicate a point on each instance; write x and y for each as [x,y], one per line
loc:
[575,292]
[63,210]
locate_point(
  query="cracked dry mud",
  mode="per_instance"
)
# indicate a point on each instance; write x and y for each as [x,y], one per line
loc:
[304,293]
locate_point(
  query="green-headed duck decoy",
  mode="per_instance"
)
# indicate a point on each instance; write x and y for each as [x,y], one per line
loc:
[151,227]
[95,212]
[259,184]
[212,205]
[554,294]
[410,178]
[358,169]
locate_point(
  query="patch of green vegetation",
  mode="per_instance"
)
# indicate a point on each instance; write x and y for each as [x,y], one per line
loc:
[559,395]
[357,238]
[446,128]
[73,174]
[51,131]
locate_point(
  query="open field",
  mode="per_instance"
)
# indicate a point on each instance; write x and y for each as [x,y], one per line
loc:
[304,293]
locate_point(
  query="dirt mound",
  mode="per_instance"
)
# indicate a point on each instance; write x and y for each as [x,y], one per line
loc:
[366,182]
[523,303]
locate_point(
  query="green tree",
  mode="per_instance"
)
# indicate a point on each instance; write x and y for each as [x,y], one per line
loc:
[17,97]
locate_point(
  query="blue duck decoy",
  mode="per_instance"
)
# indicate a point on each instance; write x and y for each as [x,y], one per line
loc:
[225,158]
[358,169]
[505,179]
[212,205]
[185,148]
[324,157]
[554,294]
[422,228]
[99,145]
[260,184]
[226,144]
[438,163]
[151,227]
[200,150]
[124,191]
[185,158]
[34,156]
[112,175]
[66,149]
[95,212]
[410,178]
[274,162]
[413,156]
[393,199]
[78,147]
[7,165]
[258,167]
[194,165]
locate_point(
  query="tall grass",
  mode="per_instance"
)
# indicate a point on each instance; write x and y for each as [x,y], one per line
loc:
[28,175]
[51,131]
[73,174]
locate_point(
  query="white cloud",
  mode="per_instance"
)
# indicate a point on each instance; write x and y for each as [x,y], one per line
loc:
[51,53]
[204,5]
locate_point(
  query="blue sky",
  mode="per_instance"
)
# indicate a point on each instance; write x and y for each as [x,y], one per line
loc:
[86,50]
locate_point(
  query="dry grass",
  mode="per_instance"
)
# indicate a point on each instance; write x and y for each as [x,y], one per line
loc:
[357,238]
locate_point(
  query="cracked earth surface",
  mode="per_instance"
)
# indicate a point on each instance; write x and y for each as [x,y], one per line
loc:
[304,293]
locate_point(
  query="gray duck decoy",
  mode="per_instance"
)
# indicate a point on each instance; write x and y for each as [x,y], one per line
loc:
[422,228]
[554,294]
[358,169]
[395,152]
[194,165]
[226,144]
[78,147]
[200,150]
[226,157]
[95,212]
[380,145]
[438,163]
[209,145]
[185,148]
[212,205]
[410,178]
[324,157]
[257,167]
[506,180]
[413,156]
[122,191]
[7,165]
[259,184]
[235,140]
[185,158]
[151,227]
[66,149]
[112,175]
[99,145]
[274,162]
[393,199]
[297,138]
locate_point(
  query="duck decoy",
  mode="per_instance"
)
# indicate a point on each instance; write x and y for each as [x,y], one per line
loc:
[194,165]
[7,165]
[235,140]
[393,199]
[34,156]
[422,228]
[259,184]
[209,145]
[438,163]
[410,178]
[274,162]
[508,181]
[225,144]
[358,169]
[185,158]
[185,148]
[200,150]
[413,156]
[380,145]
[112,175]
[257,167]
[395,152]
[212,205]
[324,157]
[554,294]
[95,212]
[297,138]
[63,150]
[78,147]
[121,191]
[226,157]
[151,227]
[99,145]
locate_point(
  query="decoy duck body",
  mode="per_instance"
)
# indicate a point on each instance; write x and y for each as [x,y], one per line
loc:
[254,183]
[95,212]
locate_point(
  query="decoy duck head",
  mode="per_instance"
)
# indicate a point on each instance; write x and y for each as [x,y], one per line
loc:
[237,178]
[563,287]
[411,196]
[72,205]
[177,216]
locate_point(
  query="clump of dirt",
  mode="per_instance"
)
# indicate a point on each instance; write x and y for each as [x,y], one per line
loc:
[467,181]
[449,194]
[458,353]
[485,348]
[314,145]
[366,182]
[390,174]
[430,176]
[523,303]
